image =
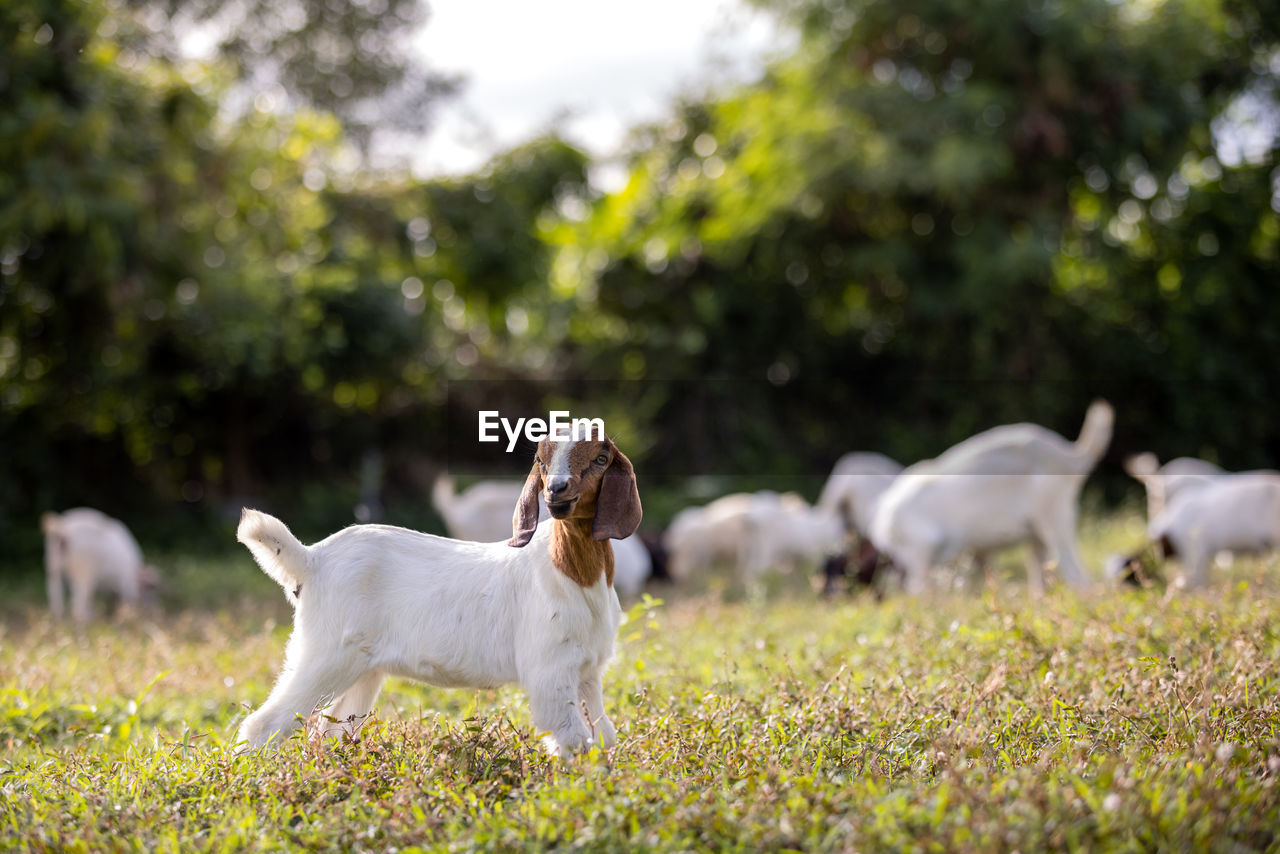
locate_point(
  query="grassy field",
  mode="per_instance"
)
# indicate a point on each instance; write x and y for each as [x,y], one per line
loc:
[981,721]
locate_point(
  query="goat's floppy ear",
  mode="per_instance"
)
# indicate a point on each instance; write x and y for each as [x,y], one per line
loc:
[618,508]
[525,520]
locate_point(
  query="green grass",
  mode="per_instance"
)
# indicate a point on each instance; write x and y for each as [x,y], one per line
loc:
[983,722]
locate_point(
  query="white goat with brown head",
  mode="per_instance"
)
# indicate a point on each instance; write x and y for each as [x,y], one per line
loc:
[540,610]
[482,512]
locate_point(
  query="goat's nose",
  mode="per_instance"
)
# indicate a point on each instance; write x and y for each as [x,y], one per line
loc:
[557,484]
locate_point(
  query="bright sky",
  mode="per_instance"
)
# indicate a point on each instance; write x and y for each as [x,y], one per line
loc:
[594,67]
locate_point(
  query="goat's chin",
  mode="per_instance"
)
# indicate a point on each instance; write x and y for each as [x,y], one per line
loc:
[561,509]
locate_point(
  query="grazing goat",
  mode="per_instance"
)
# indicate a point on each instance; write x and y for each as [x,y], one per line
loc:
[851,492]
[1238,513]
[1163,482]
[482,513]
[755,531]
[856,483]
[632,566]
[87,550]
[698,536]
[539,610]
[1011,484]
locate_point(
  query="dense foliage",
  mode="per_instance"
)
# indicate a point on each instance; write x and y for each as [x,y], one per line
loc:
[930,217]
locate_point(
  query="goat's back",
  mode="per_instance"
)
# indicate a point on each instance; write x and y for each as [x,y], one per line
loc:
[1011,449]
[1232,512]
[94,542]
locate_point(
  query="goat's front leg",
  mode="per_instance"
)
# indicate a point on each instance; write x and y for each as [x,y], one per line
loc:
[130,595]
[53,586]
[1195,562]
[554,703]
[591,689]
[82,595]
[1037,557]
[915,563]
[1057,534]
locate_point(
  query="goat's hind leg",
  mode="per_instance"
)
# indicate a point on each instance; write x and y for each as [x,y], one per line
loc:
[1037,557]
[318,675]
[350,710]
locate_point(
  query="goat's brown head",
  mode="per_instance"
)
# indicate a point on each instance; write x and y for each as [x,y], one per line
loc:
[587,479]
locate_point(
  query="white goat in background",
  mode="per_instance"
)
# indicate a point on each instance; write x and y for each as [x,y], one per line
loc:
[1237,513]
[539,610]
[87,551]
[1017,483]
[755,532]
[482,513]
[1163,482]
[852,492]
[854,488]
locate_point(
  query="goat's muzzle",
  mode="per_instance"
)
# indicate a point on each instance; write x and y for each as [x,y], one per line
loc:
[561,509]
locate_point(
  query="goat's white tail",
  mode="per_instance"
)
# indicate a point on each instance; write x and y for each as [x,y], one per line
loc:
[276,550]
[1095,435]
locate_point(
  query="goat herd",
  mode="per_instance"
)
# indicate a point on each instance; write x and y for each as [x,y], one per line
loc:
[540,609]
[876,521]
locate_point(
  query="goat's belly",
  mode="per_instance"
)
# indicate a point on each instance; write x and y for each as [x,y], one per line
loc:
[1246,544]
[985,536]
[449,675]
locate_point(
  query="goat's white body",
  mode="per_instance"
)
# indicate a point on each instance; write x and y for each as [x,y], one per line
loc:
[95,553]
[1237,513]
[377,600]
[482,513]
[1018,483]
[755,531]
[855,486]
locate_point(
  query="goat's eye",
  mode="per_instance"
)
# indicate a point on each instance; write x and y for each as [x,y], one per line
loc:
[602,459]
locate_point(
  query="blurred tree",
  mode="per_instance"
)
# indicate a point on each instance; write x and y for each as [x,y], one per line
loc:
[355,60]
[893,224]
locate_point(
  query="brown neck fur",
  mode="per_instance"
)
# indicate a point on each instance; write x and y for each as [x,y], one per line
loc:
[578,555]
